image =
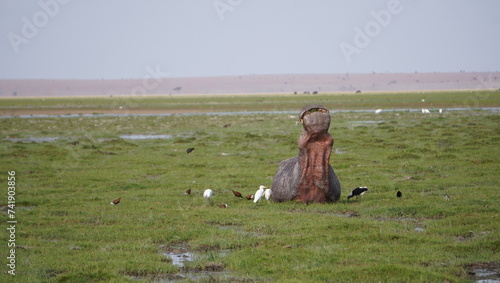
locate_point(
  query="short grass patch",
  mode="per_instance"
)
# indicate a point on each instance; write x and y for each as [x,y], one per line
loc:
[67,231]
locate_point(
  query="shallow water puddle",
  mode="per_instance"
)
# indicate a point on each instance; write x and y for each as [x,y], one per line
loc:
[413,110]
[485,272]
[33,139]
[366,122]
[51,139]
[146,137]
[339,151]
[180,255]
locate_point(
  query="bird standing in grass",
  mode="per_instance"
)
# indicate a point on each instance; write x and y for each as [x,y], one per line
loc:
[223,205]
[237,194]
[399,194]
[189,149]
[446,197]
[188,192]
[208,194]
[267,194]
[357,192]
[116,201]
[249,197]
[259,193]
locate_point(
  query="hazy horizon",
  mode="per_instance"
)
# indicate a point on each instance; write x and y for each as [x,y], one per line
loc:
[63,39]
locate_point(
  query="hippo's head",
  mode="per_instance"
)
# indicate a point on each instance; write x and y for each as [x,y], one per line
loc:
[315,119]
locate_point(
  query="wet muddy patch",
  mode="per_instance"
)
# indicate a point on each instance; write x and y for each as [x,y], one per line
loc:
[366,122]
[30,139]
[209,267]
[33,139]
[484,272]
[146,137]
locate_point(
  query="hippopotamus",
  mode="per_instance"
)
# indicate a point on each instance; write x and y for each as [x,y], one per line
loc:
[309,177]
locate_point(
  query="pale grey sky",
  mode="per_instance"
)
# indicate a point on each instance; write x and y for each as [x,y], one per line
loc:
[114,39]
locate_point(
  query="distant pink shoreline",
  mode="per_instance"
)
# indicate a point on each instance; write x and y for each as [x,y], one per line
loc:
[252,84]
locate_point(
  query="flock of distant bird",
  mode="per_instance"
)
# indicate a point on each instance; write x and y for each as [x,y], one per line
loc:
[264,191]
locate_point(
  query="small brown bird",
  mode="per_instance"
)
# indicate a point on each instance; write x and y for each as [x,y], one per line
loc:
[116,201]
[227,125]
[249,197]
[189,149]
[222,205]
[237,194]
[188,192]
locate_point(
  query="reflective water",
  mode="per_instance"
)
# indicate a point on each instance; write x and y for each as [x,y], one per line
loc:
[493,109]
[486,275]
[145,137]
[51,139]
[179,256]
[32,139]
[366,122]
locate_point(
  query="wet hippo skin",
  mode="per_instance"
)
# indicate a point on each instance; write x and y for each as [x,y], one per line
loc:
[309,177]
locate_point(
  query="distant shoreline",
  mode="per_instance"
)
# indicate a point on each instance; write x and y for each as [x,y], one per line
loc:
[252,84]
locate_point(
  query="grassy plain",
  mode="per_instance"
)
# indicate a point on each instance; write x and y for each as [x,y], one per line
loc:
[231,103]
[68,232]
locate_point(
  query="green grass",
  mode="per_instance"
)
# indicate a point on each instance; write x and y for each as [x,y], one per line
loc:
[432,99]
[68,232]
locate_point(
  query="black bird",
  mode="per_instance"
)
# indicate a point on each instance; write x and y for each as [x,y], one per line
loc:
[359,191]
[190,149]
[188,192]
[399,194]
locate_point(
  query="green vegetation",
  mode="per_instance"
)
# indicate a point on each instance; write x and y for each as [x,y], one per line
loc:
[348,101]
[67,231]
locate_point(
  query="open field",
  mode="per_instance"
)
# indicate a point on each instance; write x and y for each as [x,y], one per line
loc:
[229,103]
[68,170]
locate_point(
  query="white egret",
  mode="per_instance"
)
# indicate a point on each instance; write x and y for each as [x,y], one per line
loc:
[208,194]
[259,193]
[267,194]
